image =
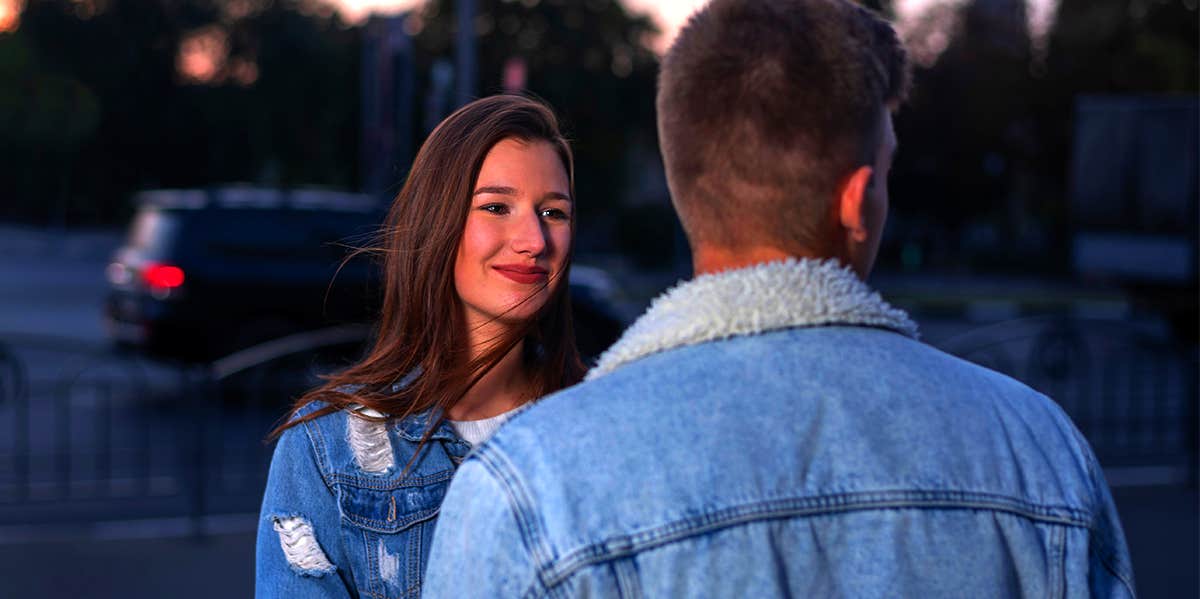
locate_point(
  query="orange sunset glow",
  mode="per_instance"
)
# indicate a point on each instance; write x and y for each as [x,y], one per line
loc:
[10,14]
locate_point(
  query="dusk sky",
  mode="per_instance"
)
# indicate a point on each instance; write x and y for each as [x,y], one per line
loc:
[672,13]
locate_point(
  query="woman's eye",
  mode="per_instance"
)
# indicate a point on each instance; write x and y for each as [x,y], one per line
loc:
[495,208]
[554,214]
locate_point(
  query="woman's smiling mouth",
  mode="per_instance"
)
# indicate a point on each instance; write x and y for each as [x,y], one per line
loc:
[526,275]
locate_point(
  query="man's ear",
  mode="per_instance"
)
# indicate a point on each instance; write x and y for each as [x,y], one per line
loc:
[852,203]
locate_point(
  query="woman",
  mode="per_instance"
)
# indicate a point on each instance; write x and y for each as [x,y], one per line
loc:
[475,324]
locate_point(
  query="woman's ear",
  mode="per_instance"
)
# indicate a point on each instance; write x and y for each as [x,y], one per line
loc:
[851,196]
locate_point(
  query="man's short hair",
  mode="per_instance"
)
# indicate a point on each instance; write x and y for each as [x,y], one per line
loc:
[764,105]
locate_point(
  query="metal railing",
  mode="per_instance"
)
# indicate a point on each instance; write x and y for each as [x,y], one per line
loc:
[88,434]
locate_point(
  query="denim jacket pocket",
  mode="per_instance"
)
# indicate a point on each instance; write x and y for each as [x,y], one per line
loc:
[390,525]
[391,508]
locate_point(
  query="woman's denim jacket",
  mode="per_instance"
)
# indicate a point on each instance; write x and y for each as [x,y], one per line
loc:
[339,519]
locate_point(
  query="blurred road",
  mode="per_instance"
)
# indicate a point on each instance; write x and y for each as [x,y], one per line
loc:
[53,284]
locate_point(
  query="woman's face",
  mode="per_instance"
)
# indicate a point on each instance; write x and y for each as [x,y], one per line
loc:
[514,245]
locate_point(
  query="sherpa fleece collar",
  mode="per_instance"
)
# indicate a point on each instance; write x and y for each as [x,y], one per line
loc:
[756,299]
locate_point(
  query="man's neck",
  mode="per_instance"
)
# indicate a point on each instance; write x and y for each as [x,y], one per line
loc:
[709,259]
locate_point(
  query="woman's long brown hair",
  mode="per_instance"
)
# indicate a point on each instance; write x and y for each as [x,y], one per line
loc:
[422,325]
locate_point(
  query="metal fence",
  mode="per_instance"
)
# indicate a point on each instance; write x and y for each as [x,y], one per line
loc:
[90,435]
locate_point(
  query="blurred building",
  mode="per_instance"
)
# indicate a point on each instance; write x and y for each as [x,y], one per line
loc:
[1135,200]
[387,103]
[1134,188]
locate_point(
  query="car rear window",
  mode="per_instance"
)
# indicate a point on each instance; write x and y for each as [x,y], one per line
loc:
[154,232]
[279,234]
[308,236]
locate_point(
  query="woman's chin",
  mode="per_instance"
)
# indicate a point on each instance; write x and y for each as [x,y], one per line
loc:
[517,316]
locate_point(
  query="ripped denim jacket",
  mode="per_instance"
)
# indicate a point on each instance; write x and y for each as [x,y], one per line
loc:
[339,520]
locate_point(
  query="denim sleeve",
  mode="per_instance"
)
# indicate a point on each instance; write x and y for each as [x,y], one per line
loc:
[478,548]
[1110,569]
[299,552]
[1111,566]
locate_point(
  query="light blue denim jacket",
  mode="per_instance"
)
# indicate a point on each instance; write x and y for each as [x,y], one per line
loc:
[339,520]
[778,431]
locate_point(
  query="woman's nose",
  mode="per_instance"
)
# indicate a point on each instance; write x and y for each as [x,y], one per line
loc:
[528,235]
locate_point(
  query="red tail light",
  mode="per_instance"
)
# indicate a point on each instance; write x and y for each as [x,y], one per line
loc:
[162,276]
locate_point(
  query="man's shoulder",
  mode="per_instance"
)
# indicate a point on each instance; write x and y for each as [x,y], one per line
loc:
[859,386]
[781,365]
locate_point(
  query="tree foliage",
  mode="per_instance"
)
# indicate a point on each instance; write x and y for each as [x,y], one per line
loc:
[95,102]
[277,104]
[589,59]
[986,137]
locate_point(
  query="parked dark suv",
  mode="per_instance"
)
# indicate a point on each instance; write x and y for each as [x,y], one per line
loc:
[204,273]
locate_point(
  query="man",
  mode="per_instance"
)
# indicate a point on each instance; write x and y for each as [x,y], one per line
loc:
[772,428]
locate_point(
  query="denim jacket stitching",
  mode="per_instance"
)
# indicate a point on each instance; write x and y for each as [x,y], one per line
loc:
[414,562]
[522,507]
[374,580]
[317,441]
[1058,563]
[1106,558]
[394,526]
[391,484]
[627,578]
[624,545]
[1101,538]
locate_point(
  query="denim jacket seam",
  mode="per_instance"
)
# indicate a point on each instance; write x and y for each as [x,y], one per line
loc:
[414,549]
[1104,551]
[1108,558]
[1058,566]
[494,460]
[374,586]
[385,527]
[316,441]
[390,483]
[623,545]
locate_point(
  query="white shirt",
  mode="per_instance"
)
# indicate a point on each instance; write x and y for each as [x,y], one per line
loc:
[478,431]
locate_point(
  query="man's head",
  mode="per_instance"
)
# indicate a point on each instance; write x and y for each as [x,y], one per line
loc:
[775,127]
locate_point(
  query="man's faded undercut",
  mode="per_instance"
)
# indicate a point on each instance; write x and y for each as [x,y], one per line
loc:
[764,105]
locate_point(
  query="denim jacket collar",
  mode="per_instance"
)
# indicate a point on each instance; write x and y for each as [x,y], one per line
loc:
[756,299]
[413,427]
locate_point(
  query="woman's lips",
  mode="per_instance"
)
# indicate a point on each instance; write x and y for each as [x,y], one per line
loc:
[526,275]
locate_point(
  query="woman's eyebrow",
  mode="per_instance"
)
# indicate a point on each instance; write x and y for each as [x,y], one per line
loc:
[508,191]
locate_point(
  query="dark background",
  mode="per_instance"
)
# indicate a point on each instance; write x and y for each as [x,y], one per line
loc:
[101,98]
[1043,222]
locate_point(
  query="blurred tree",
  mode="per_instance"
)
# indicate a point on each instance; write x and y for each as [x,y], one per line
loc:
[1112,47]
[44,118]
[1125,46]
[966,132]
[987,133]
[588,58]
[188,93]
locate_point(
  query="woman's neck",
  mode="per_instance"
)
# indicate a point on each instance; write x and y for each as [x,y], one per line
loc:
[503,388]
